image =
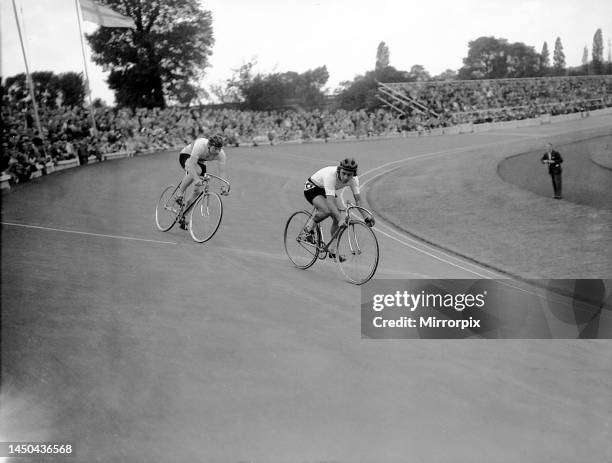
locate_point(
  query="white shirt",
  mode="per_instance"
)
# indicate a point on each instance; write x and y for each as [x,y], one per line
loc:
[199,152]
[327,178]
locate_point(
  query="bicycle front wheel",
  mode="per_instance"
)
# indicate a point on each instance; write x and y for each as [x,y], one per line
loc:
[301,251]
[357,252]
[167,210]
[205,217]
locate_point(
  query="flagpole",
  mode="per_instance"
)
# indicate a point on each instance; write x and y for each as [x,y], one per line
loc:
[28,77]
[88,89]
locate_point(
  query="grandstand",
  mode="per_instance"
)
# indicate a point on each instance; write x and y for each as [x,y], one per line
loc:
[446,103]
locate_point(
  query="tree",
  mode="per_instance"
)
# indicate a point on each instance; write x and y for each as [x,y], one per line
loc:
[361,92]
[390,74]
[43,82]
[382,56]
[309,87]
[71,87]
[418,73]
[521,61]
[235,87]
[98,103]
[585,60]
[16,87]
[163,58]
[492,58]
[598,52]
[266,93]
[280,90]
[485,59]
[544,59]
[558,58]
[45,88]
[449,74]
[68,87]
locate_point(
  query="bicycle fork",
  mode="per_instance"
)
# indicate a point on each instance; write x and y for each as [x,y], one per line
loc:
[204,207]
[353,241]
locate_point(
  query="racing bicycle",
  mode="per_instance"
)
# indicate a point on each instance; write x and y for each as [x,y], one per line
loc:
[356,250]
[204,213]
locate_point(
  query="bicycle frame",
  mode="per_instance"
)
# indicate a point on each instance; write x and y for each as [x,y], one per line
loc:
[304,251]
[206,183]
[324,247]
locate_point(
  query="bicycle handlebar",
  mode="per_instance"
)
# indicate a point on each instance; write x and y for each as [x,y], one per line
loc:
[206,176]
[352,206]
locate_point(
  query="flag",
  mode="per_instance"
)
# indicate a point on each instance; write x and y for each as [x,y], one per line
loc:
[104,16]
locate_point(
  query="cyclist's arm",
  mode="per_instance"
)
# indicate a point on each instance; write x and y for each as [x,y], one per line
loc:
[355,189]
[367,218]
[357,198]
[221,161]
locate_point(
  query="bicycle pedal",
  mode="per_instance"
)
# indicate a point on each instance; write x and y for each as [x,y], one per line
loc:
[341,258]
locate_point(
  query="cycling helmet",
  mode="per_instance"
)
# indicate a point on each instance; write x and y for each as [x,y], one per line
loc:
[349,164]
[216,141]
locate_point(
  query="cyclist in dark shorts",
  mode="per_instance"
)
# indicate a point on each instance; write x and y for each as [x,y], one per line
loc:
[193,159]
[321,189]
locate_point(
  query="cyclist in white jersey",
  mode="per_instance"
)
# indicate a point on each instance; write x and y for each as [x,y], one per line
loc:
[193,157]
[321,189]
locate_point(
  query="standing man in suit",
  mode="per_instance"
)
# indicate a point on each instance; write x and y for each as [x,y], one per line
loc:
[554,160]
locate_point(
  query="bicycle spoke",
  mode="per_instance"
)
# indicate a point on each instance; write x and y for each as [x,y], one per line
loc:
[167,210]
[205,217]
[357,252]
[302,253]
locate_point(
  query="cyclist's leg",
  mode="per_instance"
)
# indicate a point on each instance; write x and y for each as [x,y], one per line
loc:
[334,226]
[187,179]
[198,189]
[332,230]
[316,197]
[320,214]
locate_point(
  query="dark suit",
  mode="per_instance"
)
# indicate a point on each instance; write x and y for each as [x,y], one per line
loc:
[554,169]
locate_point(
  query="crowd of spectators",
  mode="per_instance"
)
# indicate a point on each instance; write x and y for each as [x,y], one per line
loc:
[68,133]
[448,103]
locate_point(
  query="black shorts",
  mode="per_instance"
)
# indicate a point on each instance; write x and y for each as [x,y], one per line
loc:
[311,191]
[183,159]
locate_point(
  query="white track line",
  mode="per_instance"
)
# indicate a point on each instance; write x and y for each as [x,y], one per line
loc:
[423,251]
[427,155]
[543,136]
[421,244]
[86,233]
[423,247]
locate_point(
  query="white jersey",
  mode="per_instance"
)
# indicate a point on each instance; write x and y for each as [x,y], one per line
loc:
[327,179]
[198,150]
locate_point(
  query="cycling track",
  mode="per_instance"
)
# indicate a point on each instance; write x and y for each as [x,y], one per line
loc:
[143,346]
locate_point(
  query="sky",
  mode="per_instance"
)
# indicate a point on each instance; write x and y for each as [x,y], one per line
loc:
[298,35]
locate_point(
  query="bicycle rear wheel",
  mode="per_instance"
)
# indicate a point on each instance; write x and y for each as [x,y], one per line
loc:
[358,246]
[167,210]
[300,251]
[205,217]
